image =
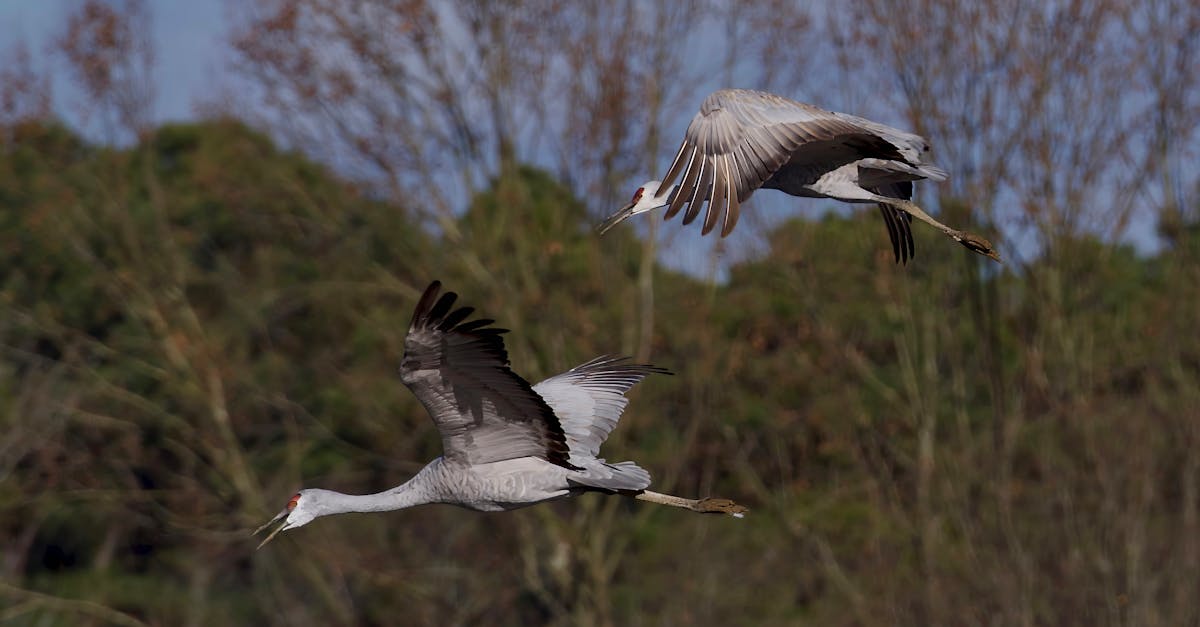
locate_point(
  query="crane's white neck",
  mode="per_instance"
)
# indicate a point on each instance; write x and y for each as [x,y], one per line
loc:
[408,494]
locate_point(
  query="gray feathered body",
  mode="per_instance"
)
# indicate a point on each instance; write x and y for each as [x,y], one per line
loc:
[588,401]
[515,483]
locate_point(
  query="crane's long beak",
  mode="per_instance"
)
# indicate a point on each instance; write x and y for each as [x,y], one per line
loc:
[278,516]
[615,219]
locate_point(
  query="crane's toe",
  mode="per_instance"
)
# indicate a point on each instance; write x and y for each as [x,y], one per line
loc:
[712,505]
[979,245]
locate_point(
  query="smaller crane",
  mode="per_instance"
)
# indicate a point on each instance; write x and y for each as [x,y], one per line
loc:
[742,140]
[505,444]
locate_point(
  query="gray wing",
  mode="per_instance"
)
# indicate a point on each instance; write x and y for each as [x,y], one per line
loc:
[589,399]
[912,147]
[459,371]
[894,179]
[741,138]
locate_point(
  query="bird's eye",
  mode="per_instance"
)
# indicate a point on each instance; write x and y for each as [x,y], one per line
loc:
[292,503]
[637,195]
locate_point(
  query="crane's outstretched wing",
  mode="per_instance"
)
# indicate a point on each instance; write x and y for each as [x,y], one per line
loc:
[590,397]
[741,138]
[459,371]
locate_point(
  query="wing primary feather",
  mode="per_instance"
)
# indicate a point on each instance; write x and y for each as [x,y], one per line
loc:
[890,222]
[714,209]
[675,167]
[757,167]
[442,307]
[452,319]
[686,188]
[699,193]
[421,311]
[906,227]
[733,205]
[477,324]
[901,237]
[718,204]
[738,176]
[731,219]
[729,177]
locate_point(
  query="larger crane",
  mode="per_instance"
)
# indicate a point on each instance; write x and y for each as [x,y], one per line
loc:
[742,140]
[506,444]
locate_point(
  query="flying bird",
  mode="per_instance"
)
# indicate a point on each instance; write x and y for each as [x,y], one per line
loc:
[505,444]
[742,140]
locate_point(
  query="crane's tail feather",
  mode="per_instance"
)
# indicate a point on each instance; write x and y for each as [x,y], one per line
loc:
[621,476]
[932,172]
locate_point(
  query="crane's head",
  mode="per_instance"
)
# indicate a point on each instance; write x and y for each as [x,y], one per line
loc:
[300,511]
[646,198]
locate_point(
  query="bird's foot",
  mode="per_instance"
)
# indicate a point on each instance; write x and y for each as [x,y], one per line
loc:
[710,505]
[977,244]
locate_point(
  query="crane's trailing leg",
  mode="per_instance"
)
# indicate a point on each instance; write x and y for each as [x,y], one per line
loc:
[970,240]
[707,505]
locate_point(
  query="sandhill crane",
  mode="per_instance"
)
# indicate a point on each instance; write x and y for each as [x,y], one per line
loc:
[505,444]
[742,140]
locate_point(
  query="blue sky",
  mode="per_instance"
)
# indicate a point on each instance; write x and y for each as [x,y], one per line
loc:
[188,39]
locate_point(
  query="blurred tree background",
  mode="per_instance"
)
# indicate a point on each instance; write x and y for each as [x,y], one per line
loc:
[198,318]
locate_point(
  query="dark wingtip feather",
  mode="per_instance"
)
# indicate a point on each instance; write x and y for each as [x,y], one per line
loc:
[421,311]
[731,219]
[899,228]
[710,218]
[441,308]
[675,167]
[613,363]
[908,237]
[434,312]
[452,319]
[474,325]
[890,222]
